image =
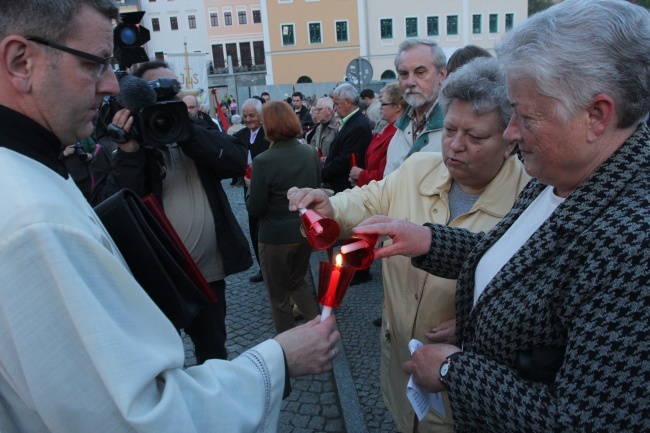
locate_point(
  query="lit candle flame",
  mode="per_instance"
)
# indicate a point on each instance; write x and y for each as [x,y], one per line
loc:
[339,260]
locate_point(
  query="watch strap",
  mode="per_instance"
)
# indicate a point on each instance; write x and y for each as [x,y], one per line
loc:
[449,361]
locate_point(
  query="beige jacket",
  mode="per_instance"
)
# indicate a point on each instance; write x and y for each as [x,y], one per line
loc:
[415,301]
[323,137]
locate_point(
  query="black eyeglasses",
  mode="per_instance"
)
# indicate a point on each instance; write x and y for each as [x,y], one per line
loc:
[103,63]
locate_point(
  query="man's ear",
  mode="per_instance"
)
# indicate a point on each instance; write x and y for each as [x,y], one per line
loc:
[443,74]
[600,114]
[17,62]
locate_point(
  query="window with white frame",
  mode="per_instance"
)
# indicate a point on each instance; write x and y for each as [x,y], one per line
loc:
[173,21]
[494,23]
[155,24]
[476,24]
[191,21]
[412,27]
[214,19]
[510,21]
[386,28]
[288,36]
[452,24]
[227,18]
[341,31]
[315,33]
[433,26]
[241,16]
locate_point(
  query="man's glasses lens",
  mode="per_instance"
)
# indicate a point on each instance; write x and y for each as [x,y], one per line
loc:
[103,63]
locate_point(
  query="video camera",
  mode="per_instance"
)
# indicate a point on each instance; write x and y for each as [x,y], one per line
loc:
[158,118]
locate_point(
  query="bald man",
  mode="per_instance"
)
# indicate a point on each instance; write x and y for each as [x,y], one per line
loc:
[192,106]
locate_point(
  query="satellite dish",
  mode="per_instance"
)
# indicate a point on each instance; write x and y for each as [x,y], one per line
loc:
[359,72]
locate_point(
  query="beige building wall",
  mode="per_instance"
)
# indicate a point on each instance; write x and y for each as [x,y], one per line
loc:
[380,51]
[240,35]
[320,60]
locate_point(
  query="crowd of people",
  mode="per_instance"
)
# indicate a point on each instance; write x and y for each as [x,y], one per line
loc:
[510,194]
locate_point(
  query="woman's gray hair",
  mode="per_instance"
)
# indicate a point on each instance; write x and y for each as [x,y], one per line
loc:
[52,20]
[256,103]
[437,54]
[347,91]
[481,82]
[236,118]
[580,48]
[393,94]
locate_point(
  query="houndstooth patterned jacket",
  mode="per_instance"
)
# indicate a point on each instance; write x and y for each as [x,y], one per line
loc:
[582,280]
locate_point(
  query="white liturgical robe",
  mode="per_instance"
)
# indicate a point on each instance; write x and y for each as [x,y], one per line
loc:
[84,349]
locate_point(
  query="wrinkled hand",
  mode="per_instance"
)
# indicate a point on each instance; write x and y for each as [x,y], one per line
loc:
[323,159]
[124,120]
[308,198]
[354,173]
[409,239]
[425,365]
[443,333]
[310,348]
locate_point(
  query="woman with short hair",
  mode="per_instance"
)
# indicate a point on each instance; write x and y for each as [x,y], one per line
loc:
[283,251]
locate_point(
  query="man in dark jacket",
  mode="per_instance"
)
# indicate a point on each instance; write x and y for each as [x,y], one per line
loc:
[186,177]
[353,137]
[302,112]
[253,137]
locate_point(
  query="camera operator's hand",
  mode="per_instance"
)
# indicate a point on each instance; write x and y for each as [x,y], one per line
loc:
[68,150]
[124,120]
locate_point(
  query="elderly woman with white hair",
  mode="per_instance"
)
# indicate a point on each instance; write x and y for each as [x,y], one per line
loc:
[553,304]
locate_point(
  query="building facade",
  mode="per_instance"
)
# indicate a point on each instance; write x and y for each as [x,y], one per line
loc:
[235,34]
[310,40]
[302,41]
[175,26]
[452,24]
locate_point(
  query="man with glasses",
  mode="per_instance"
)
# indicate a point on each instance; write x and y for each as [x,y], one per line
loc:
[327,128]
[83,348]
[421,69]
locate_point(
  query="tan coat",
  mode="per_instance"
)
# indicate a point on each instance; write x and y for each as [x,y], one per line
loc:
[323,137]
[415,301]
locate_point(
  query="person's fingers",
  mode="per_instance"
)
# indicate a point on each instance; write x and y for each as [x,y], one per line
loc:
[408,367]
[375,224]
[308,198]
[121,116]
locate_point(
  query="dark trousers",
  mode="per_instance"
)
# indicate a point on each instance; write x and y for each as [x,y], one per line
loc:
[208,330]
[253,227]
[284,268]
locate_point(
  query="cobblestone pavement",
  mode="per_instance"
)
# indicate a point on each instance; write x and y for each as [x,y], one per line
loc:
[346,400]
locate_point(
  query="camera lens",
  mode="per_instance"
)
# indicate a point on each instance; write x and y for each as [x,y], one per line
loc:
[163,124]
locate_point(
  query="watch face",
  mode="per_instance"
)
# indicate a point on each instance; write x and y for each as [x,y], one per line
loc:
[444,368]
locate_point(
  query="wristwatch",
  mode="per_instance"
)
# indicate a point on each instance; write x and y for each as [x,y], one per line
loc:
[444,369]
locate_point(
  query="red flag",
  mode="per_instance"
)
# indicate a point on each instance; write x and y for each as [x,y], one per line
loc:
[222,117]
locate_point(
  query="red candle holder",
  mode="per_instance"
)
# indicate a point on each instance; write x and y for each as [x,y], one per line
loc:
[358,252]
[249,170]
[353,159]
[321,232]
[333,282]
